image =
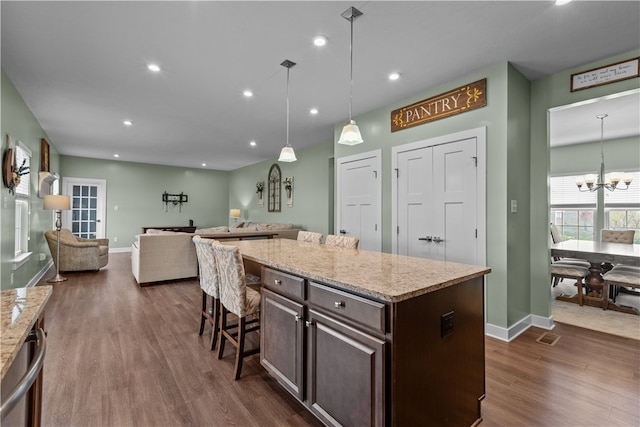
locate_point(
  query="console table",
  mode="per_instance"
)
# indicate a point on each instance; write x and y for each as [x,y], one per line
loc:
[370,338]
[185,229]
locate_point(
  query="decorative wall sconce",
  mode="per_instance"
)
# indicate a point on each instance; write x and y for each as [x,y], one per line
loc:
[288,188]
[176,199]
[259,190]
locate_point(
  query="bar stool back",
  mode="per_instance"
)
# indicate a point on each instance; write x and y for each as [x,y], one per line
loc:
[237,298]
[342,241]
[209,284]
[309,236]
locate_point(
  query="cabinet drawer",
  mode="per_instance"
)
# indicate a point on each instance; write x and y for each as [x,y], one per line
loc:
[283,283]
[358,309]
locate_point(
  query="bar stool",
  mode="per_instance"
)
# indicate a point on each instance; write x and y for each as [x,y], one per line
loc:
[237,298]
[309,236]
[209,284]
[342,241]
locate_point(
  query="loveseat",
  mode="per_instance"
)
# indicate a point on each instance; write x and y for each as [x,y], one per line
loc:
[163,255]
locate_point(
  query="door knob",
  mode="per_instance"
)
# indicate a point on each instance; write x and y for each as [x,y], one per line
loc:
[426,239]
[438,240]
[343,231]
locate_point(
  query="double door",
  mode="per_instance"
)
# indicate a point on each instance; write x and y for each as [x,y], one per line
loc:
[436,206]
[335,369]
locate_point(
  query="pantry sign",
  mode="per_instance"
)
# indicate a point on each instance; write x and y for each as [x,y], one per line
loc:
[465,98]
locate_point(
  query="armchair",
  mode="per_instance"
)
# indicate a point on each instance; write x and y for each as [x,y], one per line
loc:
[77,254]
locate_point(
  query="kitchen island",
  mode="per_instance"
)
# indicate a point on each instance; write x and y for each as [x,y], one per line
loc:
[370,338]
[22,320]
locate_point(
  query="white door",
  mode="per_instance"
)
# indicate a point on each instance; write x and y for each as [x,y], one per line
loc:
[359,193]
[88,208]
[439,198]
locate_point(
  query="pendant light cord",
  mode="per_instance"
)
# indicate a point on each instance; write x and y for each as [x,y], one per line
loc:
[288,68]
[351,69]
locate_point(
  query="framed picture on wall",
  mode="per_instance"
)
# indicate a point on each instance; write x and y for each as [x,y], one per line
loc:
[44,156]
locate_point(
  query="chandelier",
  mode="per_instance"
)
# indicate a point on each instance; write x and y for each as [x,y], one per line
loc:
[611,181]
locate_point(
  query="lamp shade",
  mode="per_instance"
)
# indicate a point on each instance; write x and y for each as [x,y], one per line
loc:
[287,154]
[235,213]
[57,203]
[350,134]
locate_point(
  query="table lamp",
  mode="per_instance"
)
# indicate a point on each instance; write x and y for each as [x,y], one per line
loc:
[57,203]
[235,214]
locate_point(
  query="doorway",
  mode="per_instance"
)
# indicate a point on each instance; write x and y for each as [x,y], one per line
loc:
[86,219]
[439,198]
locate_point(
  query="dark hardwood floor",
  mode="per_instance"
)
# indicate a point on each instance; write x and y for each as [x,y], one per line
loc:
[121,355]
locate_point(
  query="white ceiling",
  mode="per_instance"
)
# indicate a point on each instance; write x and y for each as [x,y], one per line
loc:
[80,66]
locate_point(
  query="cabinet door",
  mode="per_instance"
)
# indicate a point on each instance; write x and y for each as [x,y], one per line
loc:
[282,341]
[346,373]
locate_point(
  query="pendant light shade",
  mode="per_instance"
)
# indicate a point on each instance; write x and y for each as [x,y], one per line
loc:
[287,154]
[350,133]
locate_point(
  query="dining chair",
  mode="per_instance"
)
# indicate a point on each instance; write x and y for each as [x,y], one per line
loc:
[342,241]
[210,287]
[620,276]
[560,270]
[556,238]
[237,298]
[615,236]
[309,236]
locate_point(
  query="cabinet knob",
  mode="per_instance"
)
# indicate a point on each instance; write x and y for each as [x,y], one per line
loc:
[308,323]
[339,304]
[278,282]
[298,317]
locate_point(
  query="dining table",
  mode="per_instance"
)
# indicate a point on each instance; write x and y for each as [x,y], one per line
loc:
[597,253]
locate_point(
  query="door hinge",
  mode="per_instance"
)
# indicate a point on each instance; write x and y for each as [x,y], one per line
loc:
[475,159]
[375,228]
[375,174]
[397,229]
[476,233]
[397,172]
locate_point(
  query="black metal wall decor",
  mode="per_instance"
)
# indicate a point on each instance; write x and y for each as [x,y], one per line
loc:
[273,192]
[176,199]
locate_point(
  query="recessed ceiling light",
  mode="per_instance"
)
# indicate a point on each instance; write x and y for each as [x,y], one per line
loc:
[394,76]
[562,2]
[253,143]
[247,93]
[313,111]
[204,164]
[153,67]
[116,155]
[319,41]
[128,123]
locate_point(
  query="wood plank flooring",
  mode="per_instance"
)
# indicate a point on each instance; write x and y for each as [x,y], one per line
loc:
[121,355]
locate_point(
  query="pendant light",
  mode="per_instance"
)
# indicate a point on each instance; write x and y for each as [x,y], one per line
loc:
[287,154]
[350,133]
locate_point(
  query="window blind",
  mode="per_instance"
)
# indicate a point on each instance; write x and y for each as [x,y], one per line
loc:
[564,192]
[23,154]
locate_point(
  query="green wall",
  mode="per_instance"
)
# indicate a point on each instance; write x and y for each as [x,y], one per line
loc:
[19,122]
[312,190]
[550,92]
[137,190]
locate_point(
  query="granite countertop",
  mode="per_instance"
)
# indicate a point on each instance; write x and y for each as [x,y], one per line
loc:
[21,308]
[383,276]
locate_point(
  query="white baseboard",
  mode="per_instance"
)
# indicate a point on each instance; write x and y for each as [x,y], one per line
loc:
[511,333]
[117,250]
[35,279]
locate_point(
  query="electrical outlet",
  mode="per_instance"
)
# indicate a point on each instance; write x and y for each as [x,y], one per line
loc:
[12,279]
[115,239]
[446,324]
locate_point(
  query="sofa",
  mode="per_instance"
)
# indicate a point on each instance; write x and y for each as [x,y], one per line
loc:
[285,231]
[77,254]
[163,255]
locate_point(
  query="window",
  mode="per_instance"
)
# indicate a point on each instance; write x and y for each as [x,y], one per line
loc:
[574,212]
[622,208]
[22,191]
